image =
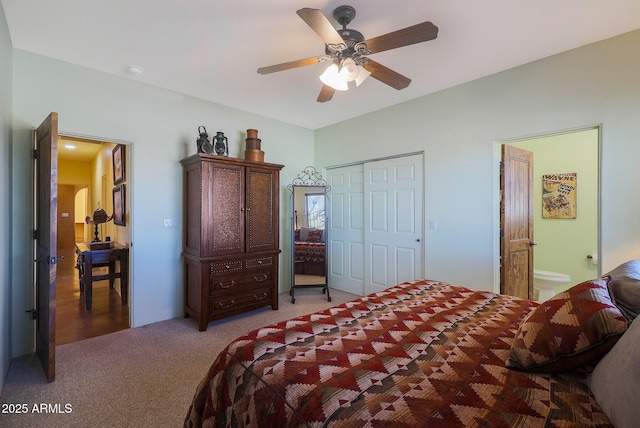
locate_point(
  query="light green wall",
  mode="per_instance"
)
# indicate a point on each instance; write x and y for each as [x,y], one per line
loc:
[563,244]
[6,90]
[162,129]
[458,128]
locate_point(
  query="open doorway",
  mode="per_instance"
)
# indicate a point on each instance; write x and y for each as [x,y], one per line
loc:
[567,245]
[85,183]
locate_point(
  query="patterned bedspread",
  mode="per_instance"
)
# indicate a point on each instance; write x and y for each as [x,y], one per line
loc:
[309,251]
[422,353]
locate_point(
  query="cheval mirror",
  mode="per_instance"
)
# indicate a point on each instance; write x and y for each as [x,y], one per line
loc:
[309,232]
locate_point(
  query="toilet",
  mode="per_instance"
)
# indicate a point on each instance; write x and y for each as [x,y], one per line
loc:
[545,283]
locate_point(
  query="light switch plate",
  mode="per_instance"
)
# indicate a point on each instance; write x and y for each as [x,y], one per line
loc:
[170,223]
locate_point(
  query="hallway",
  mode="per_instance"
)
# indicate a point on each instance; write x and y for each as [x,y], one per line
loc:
[73,321]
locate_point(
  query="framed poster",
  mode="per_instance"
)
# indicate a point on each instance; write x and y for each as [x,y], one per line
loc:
[118,205]
[559,195]
[118,164]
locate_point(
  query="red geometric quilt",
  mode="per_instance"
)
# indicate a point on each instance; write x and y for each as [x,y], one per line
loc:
[422,353]
[309,251]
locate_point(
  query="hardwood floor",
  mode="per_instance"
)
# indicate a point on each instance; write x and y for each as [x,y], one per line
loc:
[73,321]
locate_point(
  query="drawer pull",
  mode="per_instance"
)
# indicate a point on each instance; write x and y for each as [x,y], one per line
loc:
[231,284]
[259,262]
[260,279]
[231,303]
[227,266]
[264,296]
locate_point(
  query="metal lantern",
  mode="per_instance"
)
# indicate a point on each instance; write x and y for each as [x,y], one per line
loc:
[204,146]
[221,145]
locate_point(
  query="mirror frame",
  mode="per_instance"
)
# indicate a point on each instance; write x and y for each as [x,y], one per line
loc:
[310,179]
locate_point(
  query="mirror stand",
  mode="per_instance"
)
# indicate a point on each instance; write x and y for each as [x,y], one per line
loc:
[309,261]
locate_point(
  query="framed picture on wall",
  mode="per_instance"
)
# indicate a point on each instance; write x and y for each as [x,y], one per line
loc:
[118,164]
[559,195]
[118,205]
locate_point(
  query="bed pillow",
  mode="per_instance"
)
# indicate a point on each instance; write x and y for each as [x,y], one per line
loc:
[625,288]
[615,381]
[304,233]
[315,235]
[569,330]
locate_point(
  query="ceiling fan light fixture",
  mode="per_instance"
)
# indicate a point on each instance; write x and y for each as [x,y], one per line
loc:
[349,70]
[362,75]
[331,77]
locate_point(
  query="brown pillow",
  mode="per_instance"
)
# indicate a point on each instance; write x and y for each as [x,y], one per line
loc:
[625,288]
[571,329]
[315,235]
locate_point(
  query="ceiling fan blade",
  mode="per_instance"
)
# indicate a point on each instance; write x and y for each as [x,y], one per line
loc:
[326,93]
[319,23]
[290,65]
[386,75]
[407,36]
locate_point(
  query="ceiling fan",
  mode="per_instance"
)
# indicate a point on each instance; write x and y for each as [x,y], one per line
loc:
[348,51]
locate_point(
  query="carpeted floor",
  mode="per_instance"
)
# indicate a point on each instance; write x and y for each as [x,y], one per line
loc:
[139,377]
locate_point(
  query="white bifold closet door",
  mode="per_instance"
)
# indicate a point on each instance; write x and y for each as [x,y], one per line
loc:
[376,224]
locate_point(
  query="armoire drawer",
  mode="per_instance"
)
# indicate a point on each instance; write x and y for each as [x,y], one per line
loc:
[233,266]
[259,262]
[227,266]
[225,304]
[242,281]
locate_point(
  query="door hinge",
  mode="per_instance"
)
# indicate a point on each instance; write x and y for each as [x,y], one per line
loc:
[34,154]
[34,314]
[34,233]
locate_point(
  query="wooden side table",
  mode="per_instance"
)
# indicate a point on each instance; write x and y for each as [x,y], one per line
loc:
[90,258]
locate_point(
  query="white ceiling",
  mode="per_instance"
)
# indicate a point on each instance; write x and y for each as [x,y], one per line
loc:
[211,49]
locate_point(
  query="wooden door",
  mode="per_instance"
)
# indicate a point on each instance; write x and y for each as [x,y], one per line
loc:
[46,157]
[392,222]
[516,220]
[346,229]
[261,209]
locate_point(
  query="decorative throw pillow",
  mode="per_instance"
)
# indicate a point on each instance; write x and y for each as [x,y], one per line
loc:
[315,235]
[625,288]
[571,329]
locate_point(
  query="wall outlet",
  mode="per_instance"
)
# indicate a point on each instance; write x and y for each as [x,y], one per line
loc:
[170,223]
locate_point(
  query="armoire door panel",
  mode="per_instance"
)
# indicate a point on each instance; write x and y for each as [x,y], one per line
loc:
[225,219]
[260,210]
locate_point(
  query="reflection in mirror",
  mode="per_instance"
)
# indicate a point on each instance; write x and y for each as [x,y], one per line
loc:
[309,234]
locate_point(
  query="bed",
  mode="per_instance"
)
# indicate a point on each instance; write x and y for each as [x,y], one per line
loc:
[423,353]
[309,250]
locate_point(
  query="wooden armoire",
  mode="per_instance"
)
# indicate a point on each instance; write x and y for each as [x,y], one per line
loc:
[230,241]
